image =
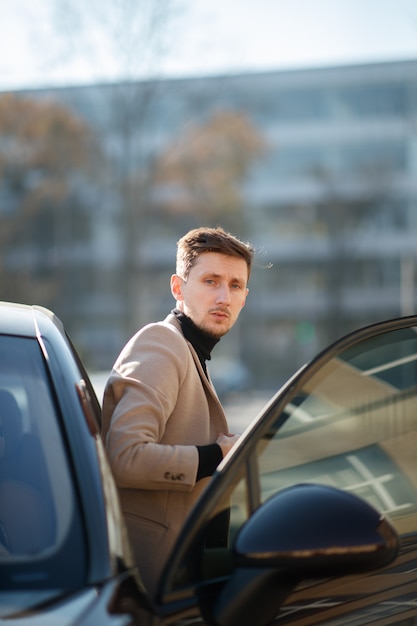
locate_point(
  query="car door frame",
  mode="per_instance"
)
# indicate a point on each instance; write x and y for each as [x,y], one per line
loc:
[182,602]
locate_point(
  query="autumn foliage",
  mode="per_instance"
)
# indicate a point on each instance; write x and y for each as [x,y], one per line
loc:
[202,169]
[45,153]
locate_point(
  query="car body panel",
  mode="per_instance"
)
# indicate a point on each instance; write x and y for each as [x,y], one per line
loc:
[92,606]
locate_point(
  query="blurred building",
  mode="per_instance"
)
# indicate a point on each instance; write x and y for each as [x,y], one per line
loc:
[331,206]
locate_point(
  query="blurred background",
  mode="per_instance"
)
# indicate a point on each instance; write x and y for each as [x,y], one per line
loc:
[291,123]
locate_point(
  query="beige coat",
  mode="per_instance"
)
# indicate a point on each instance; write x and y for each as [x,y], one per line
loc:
[158,394]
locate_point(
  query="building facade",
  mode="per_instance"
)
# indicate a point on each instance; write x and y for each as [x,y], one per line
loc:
[330,204]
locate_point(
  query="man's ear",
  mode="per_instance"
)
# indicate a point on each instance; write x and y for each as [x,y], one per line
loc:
[176,287]
[246,295]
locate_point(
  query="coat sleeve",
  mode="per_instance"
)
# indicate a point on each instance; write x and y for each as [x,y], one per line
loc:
[142,395]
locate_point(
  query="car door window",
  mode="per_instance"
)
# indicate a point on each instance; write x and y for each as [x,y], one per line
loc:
[349,421]
[353,426]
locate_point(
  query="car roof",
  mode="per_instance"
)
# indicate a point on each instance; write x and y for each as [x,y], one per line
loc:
[25,320]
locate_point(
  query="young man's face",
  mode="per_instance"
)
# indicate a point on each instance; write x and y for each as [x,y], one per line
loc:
[214,293]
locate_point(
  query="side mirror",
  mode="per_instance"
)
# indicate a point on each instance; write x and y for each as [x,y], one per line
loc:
[306,531]
[316,529]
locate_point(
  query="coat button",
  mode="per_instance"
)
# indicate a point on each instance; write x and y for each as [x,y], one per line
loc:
[169,476]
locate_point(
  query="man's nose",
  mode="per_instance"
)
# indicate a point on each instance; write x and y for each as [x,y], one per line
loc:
[223,294]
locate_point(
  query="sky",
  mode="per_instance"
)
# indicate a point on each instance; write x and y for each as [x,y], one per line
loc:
[69,42]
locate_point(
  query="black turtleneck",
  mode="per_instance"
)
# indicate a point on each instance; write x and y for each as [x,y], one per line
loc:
[203,343]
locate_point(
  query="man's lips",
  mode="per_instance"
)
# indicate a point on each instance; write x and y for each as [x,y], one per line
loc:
[220,313]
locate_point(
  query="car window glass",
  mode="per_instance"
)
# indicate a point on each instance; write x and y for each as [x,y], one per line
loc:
[38,510]
[353,425]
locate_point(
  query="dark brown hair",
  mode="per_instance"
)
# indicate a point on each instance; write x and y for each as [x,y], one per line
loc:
[206,239]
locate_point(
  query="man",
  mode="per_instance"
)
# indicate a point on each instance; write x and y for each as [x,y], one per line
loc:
[163,425]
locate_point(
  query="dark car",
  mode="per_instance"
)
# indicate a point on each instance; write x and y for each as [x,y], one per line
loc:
[320,496]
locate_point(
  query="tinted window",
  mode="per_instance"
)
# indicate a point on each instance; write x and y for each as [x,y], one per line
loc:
[352,425]
[39,518]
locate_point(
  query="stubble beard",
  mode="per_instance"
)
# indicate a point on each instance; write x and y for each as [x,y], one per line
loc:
[214,331]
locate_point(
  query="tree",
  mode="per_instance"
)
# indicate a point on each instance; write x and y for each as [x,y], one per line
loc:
[202,171]
[130,37]
[45,160]
[120,41]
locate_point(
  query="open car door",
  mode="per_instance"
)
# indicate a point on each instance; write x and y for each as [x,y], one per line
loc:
[312,518]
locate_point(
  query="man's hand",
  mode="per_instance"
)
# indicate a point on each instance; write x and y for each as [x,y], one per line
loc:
[226,442]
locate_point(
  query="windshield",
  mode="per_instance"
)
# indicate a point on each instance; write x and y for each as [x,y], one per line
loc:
[39,518]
